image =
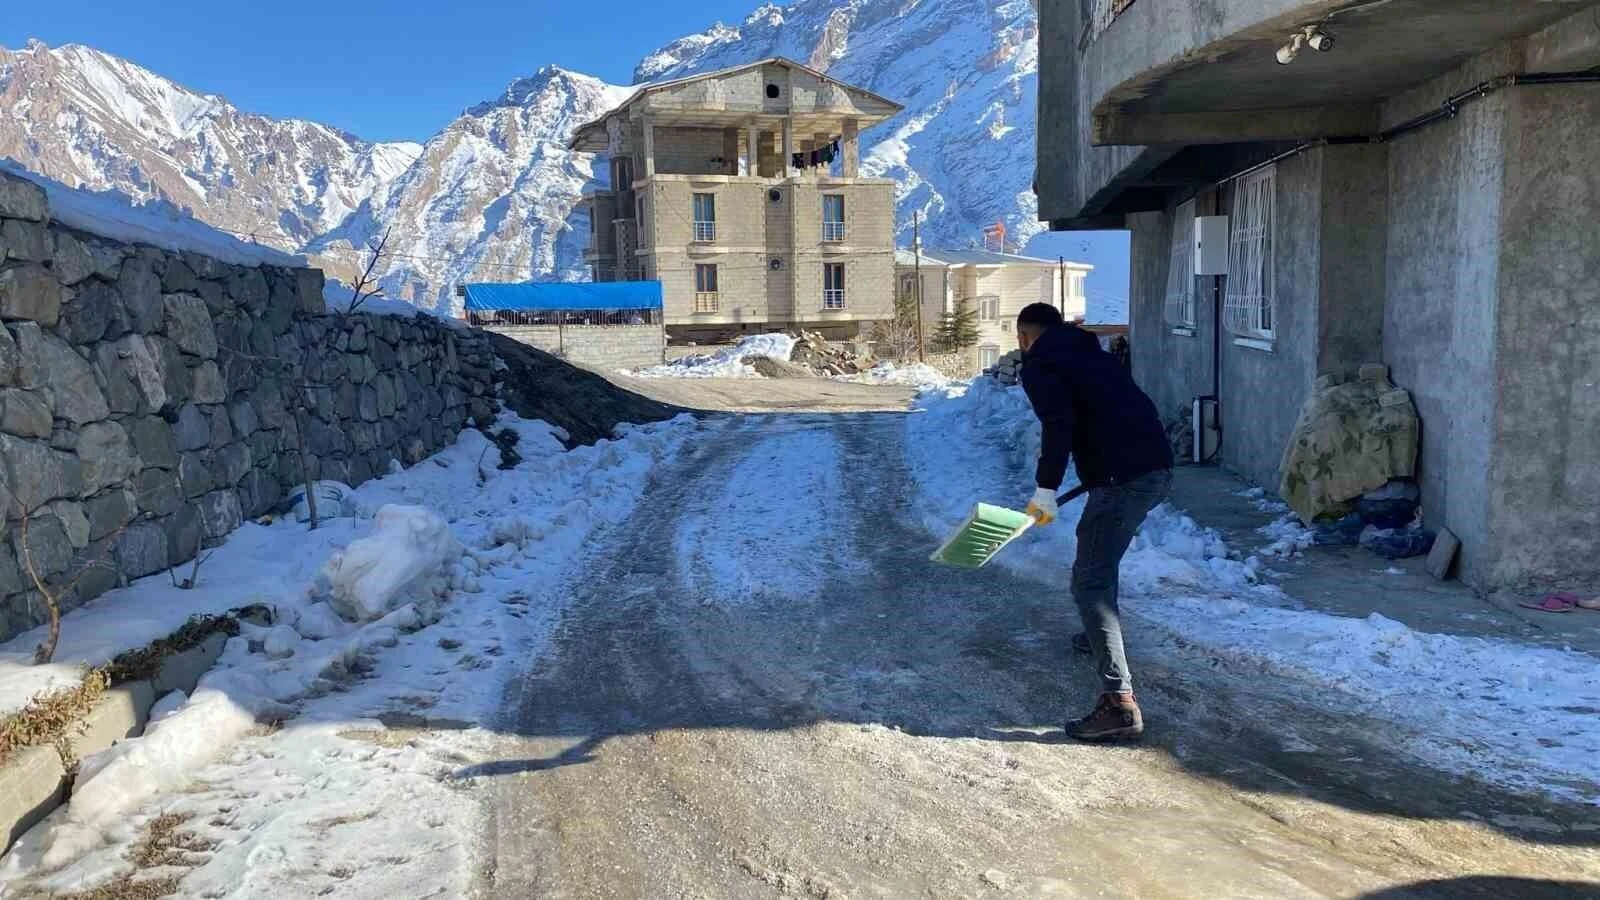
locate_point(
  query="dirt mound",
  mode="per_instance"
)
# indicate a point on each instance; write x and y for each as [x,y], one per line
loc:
[537,385]
[767,367]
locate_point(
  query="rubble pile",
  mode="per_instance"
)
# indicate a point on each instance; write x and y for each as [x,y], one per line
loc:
[814,352]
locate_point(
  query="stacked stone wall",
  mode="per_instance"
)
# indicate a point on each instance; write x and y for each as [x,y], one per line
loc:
[152,400]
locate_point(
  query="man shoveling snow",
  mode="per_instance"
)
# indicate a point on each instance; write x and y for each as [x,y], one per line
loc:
[1087,404]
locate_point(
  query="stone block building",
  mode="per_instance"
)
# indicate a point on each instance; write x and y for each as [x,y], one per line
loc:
[741,192]
[1413,182]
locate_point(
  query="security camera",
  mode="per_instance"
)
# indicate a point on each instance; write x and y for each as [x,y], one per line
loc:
[1289,51]
[1319,40]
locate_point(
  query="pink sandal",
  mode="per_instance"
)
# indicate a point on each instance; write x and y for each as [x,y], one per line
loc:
[1553,603]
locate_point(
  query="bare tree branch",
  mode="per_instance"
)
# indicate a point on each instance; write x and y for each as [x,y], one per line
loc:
[188,584]
[366,282]
[46,651]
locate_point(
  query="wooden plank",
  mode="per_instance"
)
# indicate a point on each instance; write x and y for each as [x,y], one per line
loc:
[1443,555]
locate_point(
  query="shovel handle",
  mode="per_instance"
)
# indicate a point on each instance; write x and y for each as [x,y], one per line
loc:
[1072,495]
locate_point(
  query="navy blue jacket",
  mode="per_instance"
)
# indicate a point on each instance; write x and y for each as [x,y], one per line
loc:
[1088,405]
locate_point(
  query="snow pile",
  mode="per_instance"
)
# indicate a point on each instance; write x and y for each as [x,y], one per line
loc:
[405,559]
[728,362]
[921,376]
[112,214]
[1507,712]
[499,544]
[1287,536]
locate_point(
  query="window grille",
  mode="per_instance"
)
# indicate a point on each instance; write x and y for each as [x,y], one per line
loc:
[1247,310]
[1180,309]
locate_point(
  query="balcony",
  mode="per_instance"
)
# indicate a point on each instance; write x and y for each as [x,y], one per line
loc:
[1163,93]
[832,232]
[1098,16]
[705,232]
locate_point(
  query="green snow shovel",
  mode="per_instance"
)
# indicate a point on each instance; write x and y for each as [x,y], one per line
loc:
[988,529]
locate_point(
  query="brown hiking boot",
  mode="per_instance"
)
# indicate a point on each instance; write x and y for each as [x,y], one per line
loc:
[1115,718]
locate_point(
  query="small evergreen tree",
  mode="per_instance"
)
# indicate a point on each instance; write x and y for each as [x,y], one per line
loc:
[958,329]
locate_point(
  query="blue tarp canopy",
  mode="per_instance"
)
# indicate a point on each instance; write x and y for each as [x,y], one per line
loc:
[604,295]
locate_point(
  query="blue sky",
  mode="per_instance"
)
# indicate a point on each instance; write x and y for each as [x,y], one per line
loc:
[402,73]
[406,72]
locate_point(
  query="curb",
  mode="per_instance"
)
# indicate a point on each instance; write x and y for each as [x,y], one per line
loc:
[37,780]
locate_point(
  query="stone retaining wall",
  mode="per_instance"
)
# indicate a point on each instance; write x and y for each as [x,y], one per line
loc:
[601,346]
[151,400]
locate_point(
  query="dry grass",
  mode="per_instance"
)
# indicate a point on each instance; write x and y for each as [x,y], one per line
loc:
[164,845]
[46,719]
[145,662]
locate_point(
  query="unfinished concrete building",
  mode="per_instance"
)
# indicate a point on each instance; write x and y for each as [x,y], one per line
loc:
[741,192]
[1413,182]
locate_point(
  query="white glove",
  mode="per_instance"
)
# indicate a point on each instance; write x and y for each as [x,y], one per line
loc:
[1043,506]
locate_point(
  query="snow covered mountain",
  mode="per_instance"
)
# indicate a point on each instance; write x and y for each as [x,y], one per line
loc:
[494,195]
[90,119]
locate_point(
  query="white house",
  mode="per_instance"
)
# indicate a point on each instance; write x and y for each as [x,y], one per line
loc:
[997,285]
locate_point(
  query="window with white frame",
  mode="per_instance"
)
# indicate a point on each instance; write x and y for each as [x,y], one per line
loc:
[988,356]
[833,217]
[705,217]
[1180,311]
[908,286]
[1248,310]
[989,308]
[705,288]
[833,285]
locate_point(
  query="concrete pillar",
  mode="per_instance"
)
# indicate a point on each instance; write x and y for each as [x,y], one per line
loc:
[786,164]
[752,140]
[820,141]
[850,144]
[730,151]
[649,148]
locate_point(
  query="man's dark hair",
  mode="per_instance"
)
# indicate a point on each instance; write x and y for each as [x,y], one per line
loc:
[1042,316]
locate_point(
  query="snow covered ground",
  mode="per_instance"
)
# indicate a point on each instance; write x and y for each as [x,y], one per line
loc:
[921,376]
[756,541]
[415,609]
[727,362]
[1503,711]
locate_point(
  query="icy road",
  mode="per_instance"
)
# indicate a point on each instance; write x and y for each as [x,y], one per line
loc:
[761,687]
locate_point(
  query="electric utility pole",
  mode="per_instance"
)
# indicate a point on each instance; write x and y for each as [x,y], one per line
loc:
[916,267]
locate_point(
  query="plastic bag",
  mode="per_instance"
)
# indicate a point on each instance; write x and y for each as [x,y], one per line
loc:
[333,501]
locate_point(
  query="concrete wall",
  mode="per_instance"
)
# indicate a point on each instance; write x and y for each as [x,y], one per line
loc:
[1328,267]
[1440,317]
[1262,390]
[1544,504]
[602,346]
[148,400]
[1172,368]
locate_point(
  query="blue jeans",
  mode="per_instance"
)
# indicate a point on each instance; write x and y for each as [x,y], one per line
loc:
[1111,518]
